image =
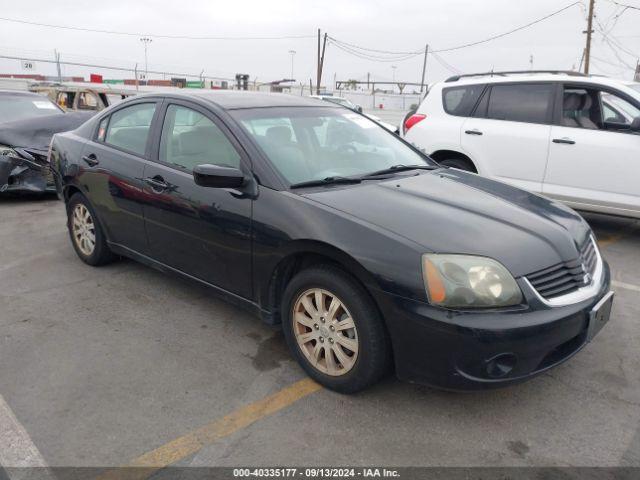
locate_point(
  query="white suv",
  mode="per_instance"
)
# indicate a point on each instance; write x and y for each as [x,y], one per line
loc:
[566,135]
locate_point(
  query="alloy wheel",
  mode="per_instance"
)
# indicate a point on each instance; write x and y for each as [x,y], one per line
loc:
[83,228]
[325,332]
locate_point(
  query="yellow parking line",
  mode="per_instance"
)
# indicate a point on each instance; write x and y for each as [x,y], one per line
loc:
[609,240]
[616,237]
[170,453]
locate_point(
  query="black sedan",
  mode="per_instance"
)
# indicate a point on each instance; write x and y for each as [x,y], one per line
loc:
[368,254]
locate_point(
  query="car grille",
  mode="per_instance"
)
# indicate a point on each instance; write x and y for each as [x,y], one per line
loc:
[566,277]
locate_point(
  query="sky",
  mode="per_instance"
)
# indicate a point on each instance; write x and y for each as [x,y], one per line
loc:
[407,25]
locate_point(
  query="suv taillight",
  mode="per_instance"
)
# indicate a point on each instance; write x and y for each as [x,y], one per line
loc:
[412,120]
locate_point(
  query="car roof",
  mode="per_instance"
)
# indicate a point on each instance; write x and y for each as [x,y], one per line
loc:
[537,77]
[236,99]
[21,93]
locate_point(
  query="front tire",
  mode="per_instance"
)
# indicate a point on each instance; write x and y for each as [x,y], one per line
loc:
[334,330]
[86,234]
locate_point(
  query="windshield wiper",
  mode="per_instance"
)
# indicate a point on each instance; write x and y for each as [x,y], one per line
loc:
[400,168]
[327,181]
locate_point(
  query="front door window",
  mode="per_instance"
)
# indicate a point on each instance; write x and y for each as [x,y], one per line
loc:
[190,139]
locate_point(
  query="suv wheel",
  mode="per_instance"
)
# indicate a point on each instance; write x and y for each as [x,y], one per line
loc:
[334,330]
[86,234]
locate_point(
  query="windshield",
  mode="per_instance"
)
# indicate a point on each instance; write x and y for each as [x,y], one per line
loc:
[306,144]
[22,107]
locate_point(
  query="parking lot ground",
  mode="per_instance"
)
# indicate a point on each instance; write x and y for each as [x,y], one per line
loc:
[122,364]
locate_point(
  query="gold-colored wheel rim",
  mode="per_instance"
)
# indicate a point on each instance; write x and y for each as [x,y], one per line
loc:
[325,332]
[83,229]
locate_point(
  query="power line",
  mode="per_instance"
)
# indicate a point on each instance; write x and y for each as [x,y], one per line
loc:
[120,69]
[631,7]
[418,52]
[374,58]
[495,37]
[139,34]
[445,64]
[359,50]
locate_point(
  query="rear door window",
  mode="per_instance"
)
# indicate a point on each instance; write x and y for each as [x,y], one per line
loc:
[460,101]
[129,127]
[522,102]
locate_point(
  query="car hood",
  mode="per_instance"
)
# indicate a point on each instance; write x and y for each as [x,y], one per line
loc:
[450,211]
[37,132]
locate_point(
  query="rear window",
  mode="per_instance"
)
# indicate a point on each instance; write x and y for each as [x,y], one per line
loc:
[460,101]
[529,103]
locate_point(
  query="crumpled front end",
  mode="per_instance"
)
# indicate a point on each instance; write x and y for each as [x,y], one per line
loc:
[25,170]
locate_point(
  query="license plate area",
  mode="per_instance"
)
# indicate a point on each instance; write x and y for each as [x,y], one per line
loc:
[599,315]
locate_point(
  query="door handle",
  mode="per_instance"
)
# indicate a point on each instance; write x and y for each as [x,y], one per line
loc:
[473,132]
[157,183]
[565,141]
[91,160]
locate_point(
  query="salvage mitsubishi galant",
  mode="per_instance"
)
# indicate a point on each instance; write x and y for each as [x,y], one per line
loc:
[369,255]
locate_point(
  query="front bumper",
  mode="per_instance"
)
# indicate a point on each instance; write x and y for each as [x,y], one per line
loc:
[28,172]
[482,350]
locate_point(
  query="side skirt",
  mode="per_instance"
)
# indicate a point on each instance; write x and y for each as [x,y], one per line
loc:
[244,303]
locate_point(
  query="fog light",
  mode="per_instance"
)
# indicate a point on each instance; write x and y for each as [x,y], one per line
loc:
[500,365]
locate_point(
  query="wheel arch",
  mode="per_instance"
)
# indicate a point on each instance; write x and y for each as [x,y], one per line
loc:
[69,191]
[302,254]
[443,154]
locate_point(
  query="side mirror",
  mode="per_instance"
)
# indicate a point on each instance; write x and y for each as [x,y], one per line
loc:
[359,108]
[215,176]
[635,125]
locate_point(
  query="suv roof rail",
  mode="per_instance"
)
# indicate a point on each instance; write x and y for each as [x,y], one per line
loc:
[455,78]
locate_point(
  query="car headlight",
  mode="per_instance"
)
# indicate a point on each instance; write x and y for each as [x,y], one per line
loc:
[467,281]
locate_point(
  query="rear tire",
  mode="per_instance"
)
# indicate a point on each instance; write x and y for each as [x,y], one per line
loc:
[86,234]
[334,330]
[459,163]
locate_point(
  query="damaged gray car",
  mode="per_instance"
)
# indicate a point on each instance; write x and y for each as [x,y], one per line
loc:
[27,123]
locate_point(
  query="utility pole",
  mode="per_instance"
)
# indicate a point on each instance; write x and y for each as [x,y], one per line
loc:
[636,78]
[531,62]
[368,78]
[293,54]
[58,65]
[318,66]
[587,51]
[320,60]
[424,67]
[146,41]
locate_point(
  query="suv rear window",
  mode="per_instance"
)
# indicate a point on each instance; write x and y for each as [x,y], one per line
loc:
[523,102]
[460,101]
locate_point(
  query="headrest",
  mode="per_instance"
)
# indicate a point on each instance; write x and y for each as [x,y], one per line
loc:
[279,135]
[199,140]
[577,101]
